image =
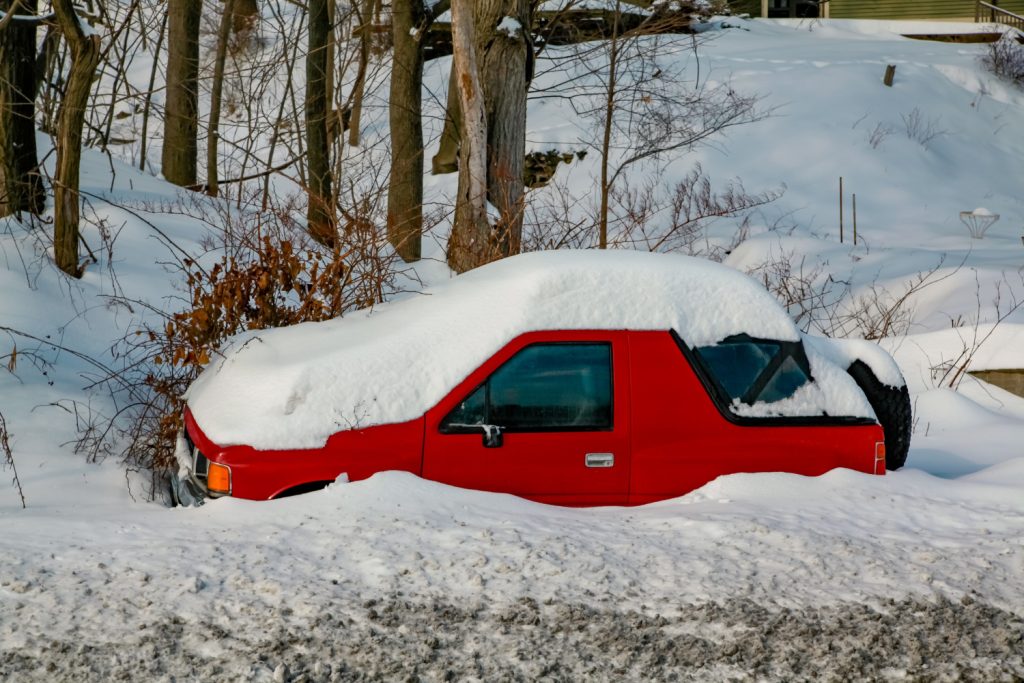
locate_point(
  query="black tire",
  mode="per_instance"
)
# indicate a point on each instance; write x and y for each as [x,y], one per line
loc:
[892,407]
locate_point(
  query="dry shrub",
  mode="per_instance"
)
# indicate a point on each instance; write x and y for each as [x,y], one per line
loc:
[821,304]
[1005,58]
[974,333]
[272,285]
[650,216]
[807,292]
[920,129]
[266,273]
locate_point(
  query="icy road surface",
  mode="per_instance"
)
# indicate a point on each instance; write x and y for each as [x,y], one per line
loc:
[753,575]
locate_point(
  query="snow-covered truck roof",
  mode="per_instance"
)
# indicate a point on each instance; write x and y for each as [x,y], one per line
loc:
[293,387]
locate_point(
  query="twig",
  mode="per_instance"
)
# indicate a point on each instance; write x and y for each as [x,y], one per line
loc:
[5,447]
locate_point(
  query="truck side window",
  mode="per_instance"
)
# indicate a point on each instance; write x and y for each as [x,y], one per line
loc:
[544,387]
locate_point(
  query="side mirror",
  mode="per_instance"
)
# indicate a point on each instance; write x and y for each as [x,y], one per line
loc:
[493,437]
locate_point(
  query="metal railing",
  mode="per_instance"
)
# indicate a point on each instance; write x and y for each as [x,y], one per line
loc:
[992,12]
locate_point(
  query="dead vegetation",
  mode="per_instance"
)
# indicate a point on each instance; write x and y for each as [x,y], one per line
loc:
[8,457]
[1005,58]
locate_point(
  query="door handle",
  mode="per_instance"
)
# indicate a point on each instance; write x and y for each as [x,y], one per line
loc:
[600,459]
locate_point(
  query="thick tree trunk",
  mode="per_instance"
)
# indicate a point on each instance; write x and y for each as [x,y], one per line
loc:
[216,90]
[504,53]
[500,47]
[21,186]
[405,186]
[320,215]
[470,242]
[181,115]
[85,54]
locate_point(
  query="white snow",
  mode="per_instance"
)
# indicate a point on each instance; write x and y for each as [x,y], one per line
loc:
[87,563]
[294,387]
[777,539]
[510,26]
[606,5]
[844,352]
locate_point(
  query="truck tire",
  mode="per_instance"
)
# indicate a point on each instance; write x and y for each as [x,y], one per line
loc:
[892,407]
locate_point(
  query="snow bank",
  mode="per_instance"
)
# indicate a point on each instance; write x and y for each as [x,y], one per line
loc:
[294,387]
[234,573]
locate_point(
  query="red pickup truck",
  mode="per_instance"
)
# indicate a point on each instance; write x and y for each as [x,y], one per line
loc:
[581,415]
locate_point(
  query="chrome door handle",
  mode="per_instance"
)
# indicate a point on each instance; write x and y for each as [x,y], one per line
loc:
[600,459]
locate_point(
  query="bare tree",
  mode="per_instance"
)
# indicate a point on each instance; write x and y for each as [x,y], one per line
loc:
[181,118]
[470,242]
[648,109]
[363,14]
[405,186]
[506,54]
[410,22]
[84,45]
[216,91]
[502,51]
[320,214]
[21,186]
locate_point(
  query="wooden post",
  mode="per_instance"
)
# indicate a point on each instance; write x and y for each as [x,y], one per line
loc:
[854,219]
[840,209]
[890,74]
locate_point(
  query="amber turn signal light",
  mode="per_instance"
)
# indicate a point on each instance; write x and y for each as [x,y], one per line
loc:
[879,457]
[218,478]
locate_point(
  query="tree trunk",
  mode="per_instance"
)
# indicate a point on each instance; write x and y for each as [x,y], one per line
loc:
[149,96]
[216,90]
[85,54]
[470,242]
[504,51]
[447,158]
[606,134]
[21,186]
[181,115]
[500,46]
[405,186]
[364,12]
[320,216]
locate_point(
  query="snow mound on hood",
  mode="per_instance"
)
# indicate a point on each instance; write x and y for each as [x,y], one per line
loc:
[293,387]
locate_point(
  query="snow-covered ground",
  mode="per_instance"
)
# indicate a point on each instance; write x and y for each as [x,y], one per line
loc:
[397,571]
[917,574]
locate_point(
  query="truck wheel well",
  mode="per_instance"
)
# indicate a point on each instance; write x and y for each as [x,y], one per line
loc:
[308,487]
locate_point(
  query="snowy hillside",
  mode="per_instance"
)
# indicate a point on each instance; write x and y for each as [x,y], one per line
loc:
[396,577]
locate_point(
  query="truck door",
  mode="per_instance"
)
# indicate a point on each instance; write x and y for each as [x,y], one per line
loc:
[546,418]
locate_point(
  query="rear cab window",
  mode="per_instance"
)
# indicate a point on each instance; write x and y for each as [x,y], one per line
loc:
[741,370]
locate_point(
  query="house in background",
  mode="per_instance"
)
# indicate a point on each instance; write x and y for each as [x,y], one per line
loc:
[965,10]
